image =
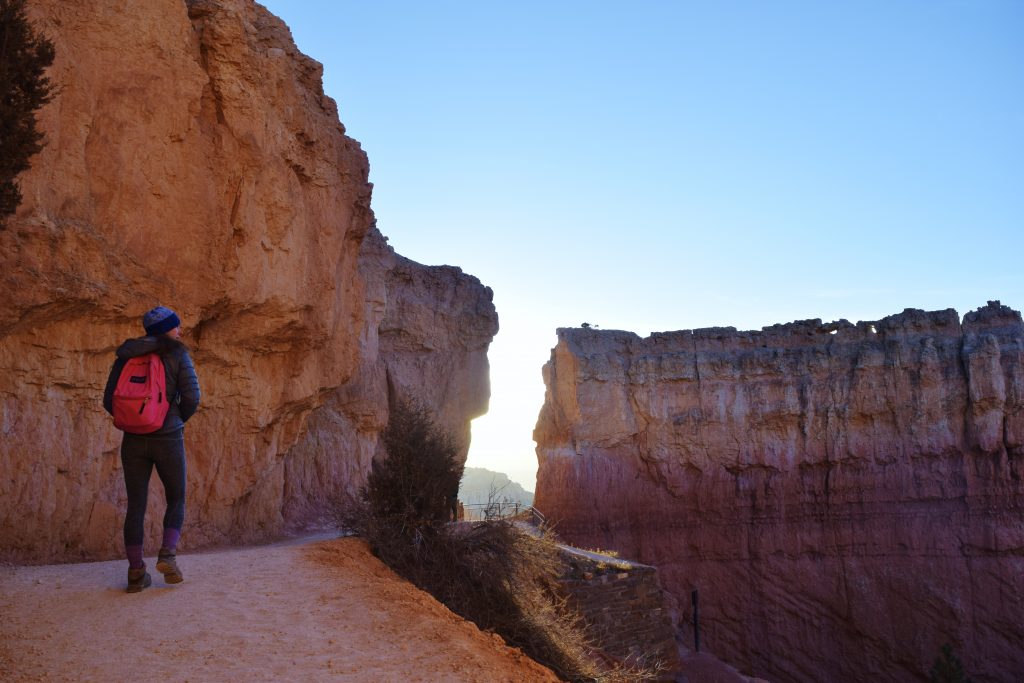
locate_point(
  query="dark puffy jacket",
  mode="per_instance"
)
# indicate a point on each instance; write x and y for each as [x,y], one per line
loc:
[182,383]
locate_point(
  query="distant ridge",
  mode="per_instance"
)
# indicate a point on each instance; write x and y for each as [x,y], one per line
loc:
[478,482]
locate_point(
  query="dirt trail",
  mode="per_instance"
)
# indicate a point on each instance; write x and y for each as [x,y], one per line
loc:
[318,611]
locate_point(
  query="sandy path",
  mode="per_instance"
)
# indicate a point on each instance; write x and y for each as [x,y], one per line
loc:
[318,611]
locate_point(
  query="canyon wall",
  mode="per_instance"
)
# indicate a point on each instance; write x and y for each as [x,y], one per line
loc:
[426,338]
[846,498]
[193,160]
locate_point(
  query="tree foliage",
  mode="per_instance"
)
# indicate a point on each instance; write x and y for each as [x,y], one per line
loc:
[412,488]
[24,56]
[948,668]
[493,573]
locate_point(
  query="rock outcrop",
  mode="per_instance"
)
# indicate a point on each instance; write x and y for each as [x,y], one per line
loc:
[426,336]
[846,498]
[193,160]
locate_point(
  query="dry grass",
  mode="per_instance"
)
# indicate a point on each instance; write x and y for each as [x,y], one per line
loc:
[491,573]
[505,581]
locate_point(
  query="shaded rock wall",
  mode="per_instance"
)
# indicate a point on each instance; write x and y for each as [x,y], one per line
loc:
[427,333]
[194,161]
[846,498]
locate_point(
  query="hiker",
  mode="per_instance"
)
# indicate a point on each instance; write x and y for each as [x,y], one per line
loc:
[163,445]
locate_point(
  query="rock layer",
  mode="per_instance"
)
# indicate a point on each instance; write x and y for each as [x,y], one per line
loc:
[846,498]
[193,160]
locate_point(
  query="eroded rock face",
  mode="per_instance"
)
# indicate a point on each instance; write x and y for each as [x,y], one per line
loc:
[846,498]
[426,338]
[194,161]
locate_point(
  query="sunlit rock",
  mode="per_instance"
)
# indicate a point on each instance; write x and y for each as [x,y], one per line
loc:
[193,160]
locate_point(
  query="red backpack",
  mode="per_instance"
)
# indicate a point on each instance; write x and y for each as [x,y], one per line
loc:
[140,398]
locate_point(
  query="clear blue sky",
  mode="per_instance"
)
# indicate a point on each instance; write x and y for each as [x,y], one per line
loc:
[671,165]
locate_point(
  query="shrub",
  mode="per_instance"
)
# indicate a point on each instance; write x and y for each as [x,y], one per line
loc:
[412,488]
[947,668]
[492,573]
[24,56]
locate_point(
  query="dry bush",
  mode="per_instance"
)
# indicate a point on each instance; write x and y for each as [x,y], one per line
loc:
[492,573]
[506,581]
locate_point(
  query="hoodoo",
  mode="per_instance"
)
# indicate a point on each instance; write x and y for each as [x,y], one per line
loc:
[193,160]
[847,498]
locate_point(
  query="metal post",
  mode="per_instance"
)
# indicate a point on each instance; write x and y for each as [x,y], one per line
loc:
[696,621]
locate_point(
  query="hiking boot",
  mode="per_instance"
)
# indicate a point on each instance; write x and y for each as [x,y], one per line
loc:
[138,579]
[166,564]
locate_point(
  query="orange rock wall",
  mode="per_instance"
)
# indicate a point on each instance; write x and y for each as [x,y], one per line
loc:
[193,160]
[846,498]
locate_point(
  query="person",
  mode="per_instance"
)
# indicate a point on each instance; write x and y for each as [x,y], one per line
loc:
[164,448]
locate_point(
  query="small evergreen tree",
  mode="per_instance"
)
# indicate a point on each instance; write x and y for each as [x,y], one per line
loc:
[412,488]
[24,56]
[948,668]
[493,573]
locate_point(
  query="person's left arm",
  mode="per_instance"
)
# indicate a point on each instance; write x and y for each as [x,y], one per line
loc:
[188,387]
[108,393]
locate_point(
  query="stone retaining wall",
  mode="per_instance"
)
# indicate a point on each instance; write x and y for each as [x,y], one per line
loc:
[624,605]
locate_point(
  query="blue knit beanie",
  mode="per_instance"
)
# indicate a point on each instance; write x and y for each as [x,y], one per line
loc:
[160,320]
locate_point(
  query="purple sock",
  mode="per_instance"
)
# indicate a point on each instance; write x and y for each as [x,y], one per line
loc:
[171,537]
[134,553]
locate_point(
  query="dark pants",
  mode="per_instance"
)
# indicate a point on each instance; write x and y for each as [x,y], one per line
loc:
[138,456]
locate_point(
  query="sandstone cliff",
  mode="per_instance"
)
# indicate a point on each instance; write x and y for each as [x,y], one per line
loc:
[846,498]
[193,160]
[426,336]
